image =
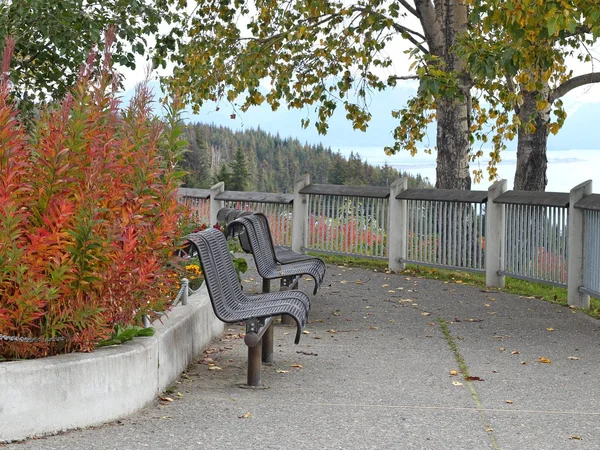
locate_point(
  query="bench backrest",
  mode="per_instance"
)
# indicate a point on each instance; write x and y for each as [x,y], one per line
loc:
[219,274]
[259,237]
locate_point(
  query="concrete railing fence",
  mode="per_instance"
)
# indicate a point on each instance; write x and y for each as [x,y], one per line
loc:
[552,238]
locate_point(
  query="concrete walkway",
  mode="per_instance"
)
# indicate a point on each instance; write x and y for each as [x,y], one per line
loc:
[375,370]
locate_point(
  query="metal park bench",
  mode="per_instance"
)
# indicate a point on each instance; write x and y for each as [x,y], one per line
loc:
[268,264]
[283,255]
[231,305]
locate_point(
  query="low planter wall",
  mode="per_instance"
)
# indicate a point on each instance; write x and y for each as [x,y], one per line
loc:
[49,395]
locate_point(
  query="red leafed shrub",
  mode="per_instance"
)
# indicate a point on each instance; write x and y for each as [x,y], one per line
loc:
[88,216]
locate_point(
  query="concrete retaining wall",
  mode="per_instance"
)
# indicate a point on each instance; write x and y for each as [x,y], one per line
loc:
[49,395]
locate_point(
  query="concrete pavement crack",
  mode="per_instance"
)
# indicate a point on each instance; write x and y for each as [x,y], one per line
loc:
[464,370]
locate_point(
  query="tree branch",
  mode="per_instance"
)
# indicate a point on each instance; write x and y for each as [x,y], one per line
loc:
[404,77]
[399,28]
[575,82]
[409,8]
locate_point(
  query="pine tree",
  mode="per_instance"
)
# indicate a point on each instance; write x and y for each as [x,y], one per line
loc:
[240,173]
[224,175]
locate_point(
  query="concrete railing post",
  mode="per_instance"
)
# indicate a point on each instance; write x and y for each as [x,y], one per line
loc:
[216,205]
[575,262]
[398,227]
[495,235]
[300,215]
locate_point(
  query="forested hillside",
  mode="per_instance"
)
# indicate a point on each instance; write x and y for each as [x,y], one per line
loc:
[253,160]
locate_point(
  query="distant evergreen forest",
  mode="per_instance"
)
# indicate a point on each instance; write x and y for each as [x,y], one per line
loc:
[253,160]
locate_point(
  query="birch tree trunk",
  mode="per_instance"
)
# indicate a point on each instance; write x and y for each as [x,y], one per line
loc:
[442,23]
[532,144]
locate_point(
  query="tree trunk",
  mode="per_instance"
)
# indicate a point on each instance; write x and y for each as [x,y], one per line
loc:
[443,22]
[531,148]
[452,164]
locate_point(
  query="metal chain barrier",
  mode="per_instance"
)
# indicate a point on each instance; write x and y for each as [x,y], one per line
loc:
[181,296]
[4,337]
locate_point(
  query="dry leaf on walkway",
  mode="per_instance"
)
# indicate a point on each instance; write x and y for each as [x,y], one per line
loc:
[214,368]
[384,285]
[515,352]
[245,416]
[166,399]
[343,282]
[550,329]
[459,281]
[331,331]
[392,291]
[576,438]
[453,373]
[298,366]
[305,332]
[457,383]
[425,314]
[510,402]
[573,358]
[358,282]
[544,360]
[282,371]
[474,379]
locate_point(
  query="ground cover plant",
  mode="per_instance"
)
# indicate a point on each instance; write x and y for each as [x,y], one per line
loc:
[88,215]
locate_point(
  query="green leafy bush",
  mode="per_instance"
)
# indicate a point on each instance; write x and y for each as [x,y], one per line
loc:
[88,215]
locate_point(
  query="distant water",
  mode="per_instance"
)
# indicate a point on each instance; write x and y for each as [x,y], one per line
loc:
[566,168]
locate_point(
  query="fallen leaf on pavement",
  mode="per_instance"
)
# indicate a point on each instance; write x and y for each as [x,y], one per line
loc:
[245,416]
[298,366]
[214,368]
[510,402]
[453,373]
[166,399]
[573,358]
[384,285]
[305,332]
[474,379]
[515,352]
[282,371]
[457,383]
[425,314]
[544,360]
[550,329]
[576,438]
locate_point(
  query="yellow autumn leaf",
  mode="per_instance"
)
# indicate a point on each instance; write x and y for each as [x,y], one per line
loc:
[510,402]
[453,373]
[544,360]
[550,329]
[298,366]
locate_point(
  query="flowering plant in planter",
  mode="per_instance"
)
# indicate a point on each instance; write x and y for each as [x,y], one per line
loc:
[88,215]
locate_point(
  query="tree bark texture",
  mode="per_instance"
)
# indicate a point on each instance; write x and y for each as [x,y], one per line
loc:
[452,163]
[442,22]
[531,147]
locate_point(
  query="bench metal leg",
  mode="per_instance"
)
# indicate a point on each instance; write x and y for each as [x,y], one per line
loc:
[254,365]
[267,346]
